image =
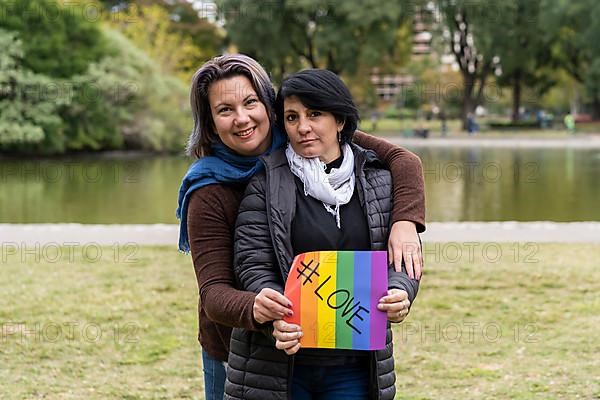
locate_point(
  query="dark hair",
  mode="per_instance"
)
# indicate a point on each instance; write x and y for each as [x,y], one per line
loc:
[223,67]
[320,89]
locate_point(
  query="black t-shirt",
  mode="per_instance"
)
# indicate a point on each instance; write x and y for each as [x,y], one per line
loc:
[315,229]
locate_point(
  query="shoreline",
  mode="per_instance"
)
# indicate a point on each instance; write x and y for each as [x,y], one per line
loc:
[586,142]
[167,234]
[590,141]
[100,154]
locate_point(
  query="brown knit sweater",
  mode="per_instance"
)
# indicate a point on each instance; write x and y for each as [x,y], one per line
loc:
[212,212]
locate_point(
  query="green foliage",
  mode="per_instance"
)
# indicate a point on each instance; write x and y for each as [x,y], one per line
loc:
[121,101]
[339,36]
[125,100]
[508,42]
[470,37]
[47,29]
[205,36]
[398,112]
[574,31]
[151,29]
[592,77]
[25,117]
[522,124]
[524,51]
[172,32]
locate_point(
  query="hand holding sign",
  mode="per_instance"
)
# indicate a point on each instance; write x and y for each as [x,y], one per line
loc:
[287,336]
[335,297]
[270,305]
[396,304]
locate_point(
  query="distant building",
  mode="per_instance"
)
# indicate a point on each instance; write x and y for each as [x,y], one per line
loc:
[388,86]
[421,34]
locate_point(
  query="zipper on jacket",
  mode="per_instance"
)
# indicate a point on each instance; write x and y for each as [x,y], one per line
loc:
[361,180]
[281,262]
[374,389]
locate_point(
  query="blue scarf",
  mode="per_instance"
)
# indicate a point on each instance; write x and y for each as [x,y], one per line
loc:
[224,166]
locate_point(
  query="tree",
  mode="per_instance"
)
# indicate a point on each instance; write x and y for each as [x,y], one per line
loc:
[46,29]
[177,18]
[523,49]
[25,117]
[470,34]
[340,36]
[206,36]
[151,30]
[148,109]
[123,100]
[504,41]
[576,48]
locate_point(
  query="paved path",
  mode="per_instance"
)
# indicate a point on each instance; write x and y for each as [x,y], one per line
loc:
[579,142]
[160,234]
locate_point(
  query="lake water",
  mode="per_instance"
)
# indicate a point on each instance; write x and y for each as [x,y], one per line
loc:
[462,184]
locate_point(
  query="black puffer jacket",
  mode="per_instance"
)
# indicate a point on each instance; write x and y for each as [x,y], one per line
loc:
[263,256]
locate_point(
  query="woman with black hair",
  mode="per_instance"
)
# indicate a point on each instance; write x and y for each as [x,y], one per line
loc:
[232,101]
[321,192]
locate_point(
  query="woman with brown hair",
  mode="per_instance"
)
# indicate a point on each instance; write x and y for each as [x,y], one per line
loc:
[232,104]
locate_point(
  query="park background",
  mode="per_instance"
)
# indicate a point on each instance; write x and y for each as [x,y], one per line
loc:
[94,116]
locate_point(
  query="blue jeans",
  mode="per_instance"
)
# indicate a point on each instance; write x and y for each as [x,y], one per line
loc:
[330,383]
[214,377]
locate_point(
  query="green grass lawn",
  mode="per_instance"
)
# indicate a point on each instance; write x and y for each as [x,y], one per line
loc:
[545,306]
[396,127]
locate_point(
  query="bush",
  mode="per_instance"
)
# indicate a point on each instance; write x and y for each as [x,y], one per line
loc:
[122,101]
[25,117]
[133,104]
[526,124]
[57,40]
[399,113]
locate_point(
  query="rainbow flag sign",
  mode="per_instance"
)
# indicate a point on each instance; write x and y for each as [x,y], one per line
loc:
[335,295]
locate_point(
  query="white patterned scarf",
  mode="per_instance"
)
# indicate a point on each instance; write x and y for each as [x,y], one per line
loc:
[333,189]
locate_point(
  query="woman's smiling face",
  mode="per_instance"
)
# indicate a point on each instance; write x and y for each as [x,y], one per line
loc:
[240,118]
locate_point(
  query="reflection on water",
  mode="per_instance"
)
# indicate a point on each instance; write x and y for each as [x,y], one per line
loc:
[99,190]
[511,184]
[462,184]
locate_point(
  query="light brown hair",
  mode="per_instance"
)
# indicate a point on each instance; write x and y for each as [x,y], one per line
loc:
[223,67]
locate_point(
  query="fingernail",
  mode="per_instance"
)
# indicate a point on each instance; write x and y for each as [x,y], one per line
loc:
[290,313]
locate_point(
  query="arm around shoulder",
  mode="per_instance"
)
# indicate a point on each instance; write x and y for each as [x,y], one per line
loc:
[407,177]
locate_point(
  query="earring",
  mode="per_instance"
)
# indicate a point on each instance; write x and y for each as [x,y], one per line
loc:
[339,136]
